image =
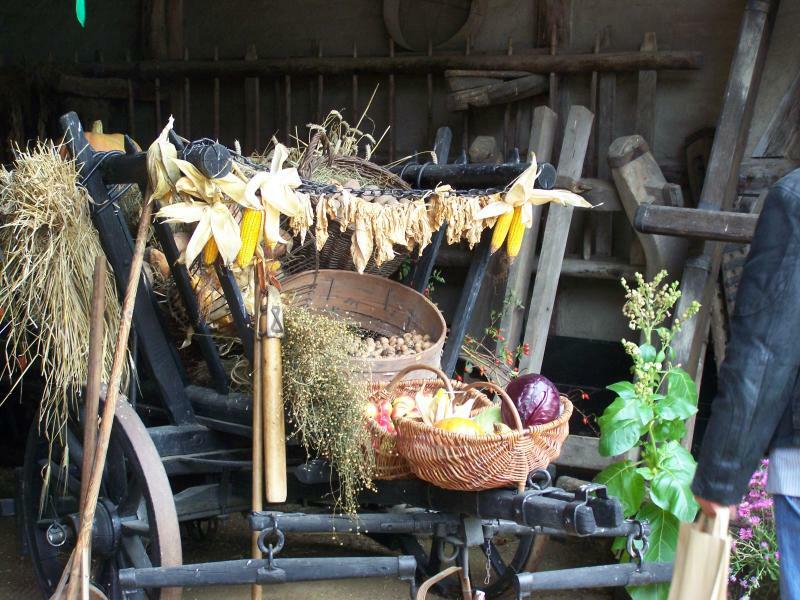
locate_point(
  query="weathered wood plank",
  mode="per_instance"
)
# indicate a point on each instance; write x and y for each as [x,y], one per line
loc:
[542,136]
[573,153]
[497,93]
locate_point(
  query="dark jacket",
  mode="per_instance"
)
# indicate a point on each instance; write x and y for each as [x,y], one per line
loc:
[758,404]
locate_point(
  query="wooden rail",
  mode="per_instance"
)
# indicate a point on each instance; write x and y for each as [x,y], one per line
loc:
[399,64]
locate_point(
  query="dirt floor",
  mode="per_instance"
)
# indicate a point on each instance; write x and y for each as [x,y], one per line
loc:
[231,541]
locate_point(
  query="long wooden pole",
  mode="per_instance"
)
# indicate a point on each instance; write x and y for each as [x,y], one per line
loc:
[258,433]
[92,399]
[117,366]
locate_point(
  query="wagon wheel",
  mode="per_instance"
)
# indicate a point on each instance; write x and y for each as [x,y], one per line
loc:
[136,524]
[506,556]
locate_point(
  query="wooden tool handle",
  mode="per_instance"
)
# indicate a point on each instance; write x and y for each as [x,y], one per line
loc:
[271,323]
[274,430]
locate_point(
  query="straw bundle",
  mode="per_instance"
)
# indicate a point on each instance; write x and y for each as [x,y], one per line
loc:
[48,247]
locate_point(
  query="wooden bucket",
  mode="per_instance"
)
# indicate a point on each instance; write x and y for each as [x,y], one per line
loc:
[378,305]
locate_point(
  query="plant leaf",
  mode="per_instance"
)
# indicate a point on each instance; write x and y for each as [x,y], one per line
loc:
[647,352]
[625,482]
[624,389]
[620,427]
[646,472]
[663,542]
[670,487]
[681,399]
[665,431]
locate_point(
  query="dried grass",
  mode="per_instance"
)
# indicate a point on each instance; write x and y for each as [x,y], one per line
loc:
[48,246]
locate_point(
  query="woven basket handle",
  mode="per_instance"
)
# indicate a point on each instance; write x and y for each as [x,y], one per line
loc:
[403,372]
[506,399]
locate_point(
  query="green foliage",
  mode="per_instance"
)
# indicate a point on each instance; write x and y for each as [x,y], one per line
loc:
[649,414]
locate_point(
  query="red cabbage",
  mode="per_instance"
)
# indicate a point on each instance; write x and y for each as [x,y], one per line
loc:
[536,399]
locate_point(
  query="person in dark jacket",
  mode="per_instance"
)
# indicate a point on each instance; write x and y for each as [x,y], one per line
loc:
[757,409]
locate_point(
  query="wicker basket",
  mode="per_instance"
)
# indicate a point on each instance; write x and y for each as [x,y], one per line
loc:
[472,463]
[389,463]
[336,253]
[376,305]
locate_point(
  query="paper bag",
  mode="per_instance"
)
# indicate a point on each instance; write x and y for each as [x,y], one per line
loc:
[702,558]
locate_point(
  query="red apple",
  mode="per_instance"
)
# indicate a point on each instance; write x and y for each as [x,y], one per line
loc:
[386,408]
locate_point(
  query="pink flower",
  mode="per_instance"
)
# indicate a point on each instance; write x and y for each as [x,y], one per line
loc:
[764,545]
[745,534]
[744,511]
[777,555]
[755,521]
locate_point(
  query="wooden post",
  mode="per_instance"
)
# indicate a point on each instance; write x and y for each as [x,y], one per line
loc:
[354,117]
[508,134]
[542,136]
[606,101]
[719,188]
[216,98]
[175,51]
[252,107]
[187,102]
[131,101]
[465,117]
[287,103]
[542,301]
[320,86]
[429,135]
[646,95]
[392,121]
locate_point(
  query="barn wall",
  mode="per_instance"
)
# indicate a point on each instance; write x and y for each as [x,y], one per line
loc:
[36,30]
[33,31]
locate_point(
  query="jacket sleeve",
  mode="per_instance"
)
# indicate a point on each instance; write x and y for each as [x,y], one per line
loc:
[763,354]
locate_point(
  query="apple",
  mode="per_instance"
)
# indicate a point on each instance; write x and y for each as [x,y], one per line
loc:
[404,399]
[371,411]
[386,408]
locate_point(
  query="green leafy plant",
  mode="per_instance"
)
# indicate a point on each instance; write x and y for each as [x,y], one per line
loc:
[648,416]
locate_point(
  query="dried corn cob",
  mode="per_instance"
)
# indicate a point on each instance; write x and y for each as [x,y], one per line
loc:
[251,231]
[500,230]
[210,252]
[516,232]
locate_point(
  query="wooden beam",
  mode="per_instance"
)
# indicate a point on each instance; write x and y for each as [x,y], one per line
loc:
[722,226]
[542,301]
[403,64]
[498,93]
[719,189]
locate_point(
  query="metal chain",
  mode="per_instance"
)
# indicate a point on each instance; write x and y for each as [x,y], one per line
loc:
[635,551]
